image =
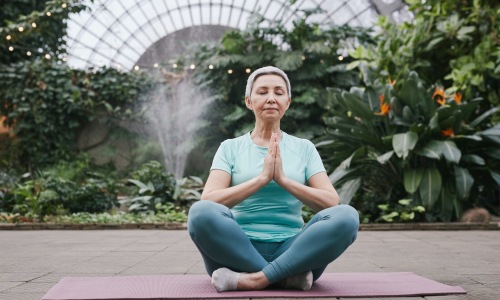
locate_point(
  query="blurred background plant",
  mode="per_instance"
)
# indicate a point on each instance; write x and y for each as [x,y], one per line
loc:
[83,193]
[455,44]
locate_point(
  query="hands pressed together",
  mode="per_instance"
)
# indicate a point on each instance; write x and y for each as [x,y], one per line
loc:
[273,166]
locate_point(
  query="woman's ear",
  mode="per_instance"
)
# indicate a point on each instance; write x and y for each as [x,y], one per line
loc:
[288,104]
[248,103]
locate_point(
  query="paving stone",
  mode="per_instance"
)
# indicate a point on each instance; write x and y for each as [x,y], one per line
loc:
[21,296]
[143,247]
[139,270]
[55,277]
[31,287]
[7,285]
[8,277]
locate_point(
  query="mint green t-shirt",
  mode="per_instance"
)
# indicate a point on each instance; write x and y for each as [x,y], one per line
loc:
[271,214]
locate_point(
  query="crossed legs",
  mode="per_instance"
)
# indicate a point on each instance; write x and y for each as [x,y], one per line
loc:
[223,245]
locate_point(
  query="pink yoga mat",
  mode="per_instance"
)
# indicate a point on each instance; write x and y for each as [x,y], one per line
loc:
[199,287]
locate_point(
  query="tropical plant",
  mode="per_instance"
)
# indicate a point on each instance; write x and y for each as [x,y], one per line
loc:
[454,43]
[155,188]
[404,142]
[403,211]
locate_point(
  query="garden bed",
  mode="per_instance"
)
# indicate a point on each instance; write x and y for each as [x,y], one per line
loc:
[183,226]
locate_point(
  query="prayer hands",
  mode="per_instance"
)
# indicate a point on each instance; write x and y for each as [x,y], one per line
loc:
[273,167]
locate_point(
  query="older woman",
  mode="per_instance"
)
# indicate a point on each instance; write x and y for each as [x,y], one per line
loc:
[249,227]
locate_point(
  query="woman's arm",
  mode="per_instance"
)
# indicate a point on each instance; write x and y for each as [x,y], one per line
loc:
[217,188]
[318,195]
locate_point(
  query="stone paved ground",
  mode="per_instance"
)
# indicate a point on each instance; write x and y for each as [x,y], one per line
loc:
[31,262]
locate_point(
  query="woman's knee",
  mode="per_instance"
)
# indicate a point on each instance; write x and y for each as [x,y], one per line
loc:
[203,214]
[345,217]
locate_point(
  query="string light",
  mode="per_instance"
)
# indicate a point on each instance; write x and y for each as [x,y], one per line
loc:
[64,5]
[136,68]
[28,53]
[210,67]
[174,66]
[33,25]
[8,37]
[155,65]
[48,14]
[11,48]
[192,67]
[303,57]
[21,28]
[248,70]
[230,71]
[341,57]
[47,56]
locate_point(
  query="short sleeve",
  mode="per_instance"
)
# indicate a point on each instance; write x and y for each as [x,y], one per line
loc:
[314,162]
[222,159]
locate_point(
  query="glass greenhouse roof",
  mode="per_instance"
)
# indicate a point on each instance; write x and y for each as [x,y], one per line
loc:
[117,33]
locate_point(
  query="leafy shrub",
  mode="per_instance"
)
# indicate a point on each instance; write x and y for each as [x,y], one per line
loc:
[152,185]
[404,142]
[95,194]
[454,43]
[66,187]
[403,211]
[154,188]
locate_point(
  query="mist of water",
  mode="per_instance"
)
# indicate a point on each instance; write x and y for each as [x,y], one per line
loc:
[175,117]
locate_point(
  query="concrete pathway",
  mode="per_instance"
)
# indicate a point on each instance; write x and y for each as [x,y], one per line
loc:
[31,262]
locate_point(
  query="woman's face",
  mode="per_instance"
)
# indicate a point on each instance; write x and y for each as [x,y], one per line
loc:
[269,98]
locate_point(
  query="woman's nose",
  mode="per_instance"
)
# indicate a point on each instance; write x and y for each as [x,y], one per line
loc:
[271,98]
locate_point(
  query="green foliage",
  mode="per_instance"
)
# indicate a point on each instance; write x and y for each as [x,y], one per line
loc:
[80,188]
[454,43]
[438,151]
[120,217]
[307,52]
[155,188]
[166,214]
[66,187]
[154,185]
[402,212]
[47,103]
[46,37]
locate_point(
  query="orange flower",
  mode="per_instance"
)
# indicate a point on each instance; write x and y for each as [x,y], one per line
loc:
[441,101]
[458,98]
[448,132]
[439,96]
[384,107]
[390,81]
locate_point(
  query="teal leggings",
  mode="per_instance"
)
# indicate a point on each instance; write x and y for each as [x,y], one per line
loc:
[223,243]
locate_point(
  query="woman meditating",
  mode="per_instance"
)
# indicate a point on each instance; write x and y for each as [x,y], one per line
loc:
[248,225]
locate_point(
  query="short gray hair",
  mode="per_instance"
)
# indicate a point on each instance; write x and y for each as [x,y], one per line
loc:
[265,71]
